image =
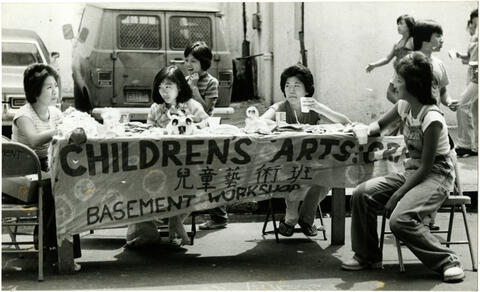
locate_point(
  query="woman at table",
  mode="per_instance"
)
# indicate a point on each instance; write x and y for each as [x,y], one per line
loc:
[297,81]
[34,125]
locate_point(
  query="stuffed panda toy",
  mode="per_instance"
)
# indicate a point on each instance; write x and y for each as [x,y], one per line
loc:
[180,124]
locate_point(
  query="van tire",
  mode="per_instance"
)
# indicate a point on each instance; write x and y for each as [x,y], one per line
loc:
[82,102]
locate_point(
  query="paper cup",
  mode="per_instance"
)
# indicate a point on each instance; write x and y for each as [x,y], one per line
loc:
[281,117]
[213,121]
[361,132]
[305,108]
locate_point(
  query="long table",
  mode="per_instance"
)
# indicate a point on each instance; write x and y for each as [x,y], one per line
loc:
[117,181]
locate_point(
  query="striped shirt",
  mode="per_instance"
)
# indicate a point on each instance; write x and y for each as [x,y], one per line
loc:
[55,117]
[208,87]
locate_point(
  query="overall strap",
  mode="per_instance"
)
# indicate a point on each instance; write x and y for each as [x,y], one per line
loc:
[429,109]
[437,109]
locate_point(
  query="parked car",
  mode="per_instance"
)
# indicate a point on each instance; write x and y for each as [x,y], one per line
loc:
[20,48]
[120,47]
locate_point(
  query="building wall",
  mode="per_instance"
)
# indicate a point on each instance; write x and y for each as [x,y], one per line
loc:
[341,39]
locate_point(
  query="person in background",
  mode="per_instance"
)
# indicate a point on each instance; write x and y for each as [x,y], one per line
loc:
[428,38]
[297,81]
[198,59]
[467,112]
[405,25]
[411,196]
[34,125]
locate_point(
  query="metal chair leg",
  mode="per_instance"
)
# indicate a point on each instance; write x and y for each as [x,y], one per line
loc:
[194,229]
[40,232]
[273,221]
[382,233]
[321,222]
[266,220]
[472,255]
[399,252]
[450,225]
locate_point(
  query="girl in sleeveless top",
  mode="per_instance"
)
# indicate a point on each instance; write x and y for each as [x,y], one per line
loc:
[297,81]
[405,25]
[409,197]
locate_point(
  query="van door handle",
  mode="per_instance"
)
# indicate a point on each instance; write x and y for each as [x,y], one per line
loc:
[177,61]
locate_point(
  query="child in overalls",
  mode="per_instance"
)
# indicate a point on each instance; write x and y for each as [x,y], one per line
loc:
[410,197]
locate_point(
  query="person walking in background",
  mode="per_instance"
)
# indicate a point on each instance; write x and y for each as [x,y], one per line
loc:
[297,82]
[467,111]
[405,26]
[411,196]
[428,38]
[198,59]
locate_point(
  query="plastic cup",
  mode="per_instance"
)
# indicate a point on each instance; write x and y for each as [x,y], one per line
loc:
[305,108]
[361,132]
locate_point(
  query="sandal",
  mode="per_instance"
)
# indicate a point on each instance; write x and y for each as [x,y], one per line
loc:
[307,229]
[285,229]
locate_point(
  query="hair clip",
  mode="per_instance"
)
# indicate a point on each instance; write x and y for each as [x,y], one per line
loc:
[41,73]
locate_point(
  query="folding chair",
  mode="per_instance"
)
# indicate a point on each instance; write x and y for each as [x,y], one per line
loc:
[275,229]
[20,160]
[454,202]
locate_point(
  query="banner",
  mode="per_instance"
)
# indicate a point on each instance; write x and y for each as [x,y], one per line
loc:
[106,182]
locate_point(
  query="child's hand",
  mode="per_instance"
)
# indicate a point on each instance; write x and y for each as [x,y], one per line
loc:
[193,80]
[369,68]
[453,105]
[392,203]
[349,127]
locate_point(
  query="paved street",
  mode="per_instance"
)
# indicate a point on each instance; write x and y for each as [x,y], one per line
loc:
[236,258]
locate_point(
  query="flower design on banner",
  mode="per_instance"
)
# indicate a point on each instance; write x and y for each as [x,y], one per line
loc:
[84,189]
[267,151]
[356,173]
[154,181]
[64,212]
[112,196]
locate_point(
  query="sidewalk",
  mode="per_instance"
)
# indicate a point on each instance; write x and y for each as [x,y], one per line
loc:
[237,258]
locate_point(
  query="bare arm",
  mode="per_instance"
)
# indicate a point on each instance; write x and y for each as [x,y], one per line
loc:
[269,114]
[196,95]
[463,57]
[382,61]
[331,115]
[34,138]
[388,118]
[445,99]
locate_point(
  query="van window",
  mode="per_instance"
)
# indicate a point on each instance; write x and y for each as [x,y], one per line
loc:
[141,32]
[185,30]
[20,54]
